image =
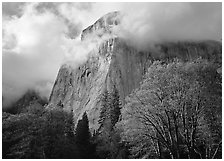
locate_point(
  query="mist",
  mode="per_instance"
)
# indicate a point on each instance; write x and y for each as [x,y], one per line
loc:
[146,23]
[39,37]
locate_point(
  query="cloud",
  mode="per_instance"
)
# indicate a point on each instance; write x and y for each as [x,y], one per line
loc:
[35,45]
[11,9]
[146,23]
[39,37]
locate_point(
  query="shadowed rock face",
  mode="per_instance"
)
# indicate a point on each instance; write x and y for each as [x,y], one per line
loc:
[115,63]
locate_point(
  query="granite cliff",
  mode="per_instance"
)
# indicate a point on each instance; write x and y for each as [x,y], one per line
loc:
[115,63]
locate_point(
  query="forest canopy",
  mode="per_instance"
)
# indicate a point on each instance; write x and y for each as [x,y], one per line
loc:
[176,112]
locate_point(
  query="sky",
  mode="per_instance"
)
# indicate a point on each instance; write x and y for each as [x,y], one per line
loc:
[37,38]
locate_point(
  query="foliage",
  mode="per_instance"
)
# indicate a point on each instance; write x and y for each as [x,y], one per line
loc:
[110,110]
[104,107]
[60,139]
[171,114]
[83,139]
[108,138]
[38,134]
[30,98]
[18,132]
[115,107]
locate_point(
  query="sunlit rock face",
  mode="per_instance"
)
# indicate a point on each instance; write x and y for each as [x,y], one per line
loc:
[115,63]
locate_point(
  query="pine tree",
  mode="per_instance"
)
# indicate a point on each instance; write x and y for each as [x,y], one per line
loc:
[108,145]
[111,108]
[82,133]
[115,107]
[83,139]
[104,108]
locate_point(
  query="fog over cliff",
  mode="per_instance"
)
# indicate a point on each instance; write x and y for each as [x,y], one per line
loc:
[39,37]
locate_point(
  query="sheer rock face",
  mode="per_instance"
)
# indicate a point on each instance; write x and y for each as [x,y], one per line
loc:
[79,89]
[115,63]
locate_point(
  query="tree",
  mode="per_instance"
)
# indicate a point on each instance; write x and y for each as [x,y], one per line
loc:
[83,139]
[39,134]
[166,117]
[115,106]
[104,107]
[108,138]
[82,133]
[22,136]
[59,135]
[110,110]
